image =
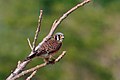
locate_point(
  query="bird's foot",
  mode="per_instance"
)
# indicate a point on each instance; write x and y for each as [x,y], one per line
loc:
[48,61]
[52,61]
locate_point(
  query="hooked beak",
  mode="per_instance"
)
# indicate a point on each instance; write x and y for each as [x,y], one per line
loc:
[62,37]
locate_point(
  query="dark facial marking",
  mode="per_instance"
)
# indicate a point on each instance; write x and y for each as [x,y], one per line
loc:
[59,37]
[55,37]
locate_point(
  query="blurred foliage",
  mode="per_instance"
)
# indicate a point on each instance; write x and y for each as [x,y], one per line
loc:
[92,38]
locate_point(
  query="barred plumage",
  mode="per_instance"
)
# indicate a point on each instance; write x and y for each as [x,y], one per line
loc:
[49,47]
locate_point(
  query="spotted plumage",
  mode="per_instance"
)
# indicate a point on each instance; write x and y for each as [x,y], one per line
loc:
[49,47]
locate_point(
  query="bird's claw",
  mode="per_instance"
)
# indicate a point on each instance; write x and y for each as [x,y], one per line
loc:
[52,61]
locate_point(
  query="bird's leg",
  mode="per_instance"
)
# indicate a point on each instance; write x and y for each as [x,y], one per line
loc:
[46,60]
[51,59]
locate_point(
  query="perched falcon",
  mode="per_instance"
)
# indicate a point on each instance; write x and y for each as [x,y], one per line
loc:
[49,47]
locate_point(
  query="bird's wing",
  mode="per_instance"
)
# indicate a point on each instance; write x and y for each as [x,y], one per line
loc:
[54,47]
[49,47]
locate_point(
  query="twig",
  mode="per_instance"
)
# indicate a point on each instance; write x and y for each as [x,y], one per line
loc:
[38,30]
[39,66]
[34,72]
[60,56]
[65,15]
[29,43]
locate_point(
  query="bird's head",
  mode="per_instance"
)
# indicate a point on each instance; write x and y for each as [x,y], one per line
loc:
[59,36]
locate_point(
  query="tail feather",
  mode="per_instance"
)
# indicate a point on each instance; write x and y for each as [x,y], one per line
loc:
[30,57]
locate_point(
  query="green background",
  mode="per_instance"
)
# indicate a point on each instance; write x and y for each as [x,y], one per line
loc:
[92,38]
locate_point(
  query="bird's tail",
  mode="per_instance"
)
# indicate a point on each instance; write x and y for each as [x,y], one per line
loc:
[30,57]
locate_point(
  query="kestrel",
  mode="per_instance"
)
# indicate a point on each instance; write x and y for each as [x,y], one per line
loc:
[49,47]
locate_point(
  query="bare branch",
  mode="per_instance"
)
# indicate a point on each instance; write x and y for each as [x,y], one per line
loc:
[39,66]
[38,30]
[57,22]
[60,56]
[29,43]
[65,15]
[34,72]
[19,68]
[18,63]
[23,64]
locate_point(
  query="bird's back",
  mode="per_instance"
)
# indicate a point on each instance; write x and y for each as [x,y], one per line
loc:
[49,47]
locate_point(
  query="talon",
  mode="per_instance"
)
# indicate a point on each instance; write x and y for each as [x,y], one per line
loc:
[46,60]
[52,61]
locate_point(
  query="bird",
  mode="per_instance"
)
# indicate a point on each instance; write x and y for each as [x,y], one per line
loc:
[48,48]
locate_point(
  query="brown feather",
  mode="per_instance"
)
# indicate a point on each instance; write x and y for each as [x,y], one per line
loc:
[49,47]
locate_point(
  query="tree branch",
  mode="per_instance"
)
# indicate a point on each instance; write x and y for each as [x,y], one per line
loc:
[38,30]
[34,72]
[29,43]
[39,66]
[23,64]
[65,15]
